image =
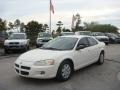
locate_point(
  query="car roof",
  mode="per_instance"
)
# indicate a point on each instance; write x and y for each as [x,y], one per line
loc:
[77,36]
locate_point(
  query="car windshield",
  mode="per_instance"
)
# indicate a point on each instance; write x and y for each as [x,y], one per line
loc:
[99,34]
[61,43]
[17,36]
[44,35]
[65,34]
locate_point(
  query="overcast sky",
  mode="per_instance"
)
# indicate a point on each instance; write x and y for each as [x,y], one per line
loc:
[102,11]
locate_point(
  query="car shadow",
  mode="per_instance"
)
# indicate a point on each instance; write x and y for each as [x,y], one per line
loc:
[33,81]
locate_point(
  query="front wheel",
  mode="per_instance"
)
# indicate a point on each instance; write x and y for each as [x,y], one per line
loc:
[101,59]
[6,51]
[65,71]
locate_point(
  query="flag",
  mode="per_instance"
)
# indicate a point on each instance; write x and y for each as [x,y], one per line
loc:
[51,7]
[73,20]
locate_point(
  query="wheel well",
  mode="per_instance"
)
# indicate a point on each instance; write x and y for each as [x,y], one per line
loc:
[69,60]
[102,52]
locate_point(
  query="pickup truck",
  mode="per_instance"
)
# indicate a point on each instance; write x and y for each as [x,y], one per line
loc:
[16,41]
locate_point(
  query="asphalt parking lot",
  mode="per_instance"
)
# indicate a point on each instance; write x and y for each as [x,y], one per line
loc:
[93,77]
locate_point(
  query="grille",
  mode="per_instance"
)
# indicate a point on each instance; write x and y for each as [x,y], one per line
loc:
[17,65]
[24,73]
[14,43]
[17,70]
[14,46]
[24,67]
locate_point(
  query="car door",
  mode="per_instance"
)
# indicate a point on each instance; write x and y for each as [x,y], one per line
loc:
[93,50]
[82,55]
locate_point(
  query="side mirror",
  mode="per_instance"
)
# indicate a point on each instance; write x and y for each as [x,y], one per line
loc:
[80,47]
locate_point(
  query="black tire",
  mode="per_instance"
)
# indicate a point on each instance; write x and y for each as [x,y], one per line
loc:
[28,47]
[6,51]
[37,46]
[106,43]
[101,59]
[64,66]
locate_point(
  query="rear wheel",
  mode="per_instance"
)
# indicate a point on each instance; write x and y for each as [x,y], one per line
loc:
[101,59]
[65,71]
[28,47]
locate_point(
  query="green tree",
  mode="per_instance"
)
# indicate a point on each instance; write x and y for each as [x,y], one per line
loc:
[17,24]
[96,27]
[65,30]
[78,22]
[32,30]
[3,26]
[89,26]
[11,25]
[45,27]
[22,27]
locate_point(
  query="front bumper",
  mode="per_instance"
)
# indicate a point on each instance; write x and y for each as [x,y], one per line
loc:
[41,72]
[17,47]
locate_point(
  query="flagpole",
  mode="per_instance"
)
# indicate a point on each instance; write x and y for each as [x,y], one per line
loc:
[50,16]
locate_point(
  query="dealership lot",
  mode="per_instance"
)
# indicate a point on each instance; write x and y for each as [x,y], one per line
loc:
[93,77]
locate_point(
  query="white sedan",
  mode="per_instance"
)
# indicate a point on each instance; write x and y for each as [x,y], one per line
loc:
[60,57]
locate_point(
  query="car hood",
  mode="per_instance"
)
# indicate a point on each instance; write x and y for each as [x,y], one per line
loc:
[40,54]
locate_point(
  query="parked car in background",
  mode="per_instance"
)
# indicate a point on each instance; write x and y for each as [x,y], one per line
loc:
[113,38]
[43,38]
[60,57]
[88,33]
[67,33]
[16,41]
[3,37]
[101,37]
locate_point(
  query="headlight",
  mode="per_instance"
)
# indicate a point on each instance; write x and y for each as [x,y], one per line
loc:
[44,63]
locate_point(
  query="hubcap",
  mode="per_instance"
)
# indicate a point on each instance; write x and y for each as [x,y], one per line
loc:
[101,58]
[66,71]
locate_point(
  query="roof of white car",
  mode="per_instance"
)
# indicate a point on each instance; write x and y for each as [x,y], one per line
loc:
[76,36]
